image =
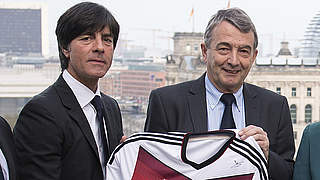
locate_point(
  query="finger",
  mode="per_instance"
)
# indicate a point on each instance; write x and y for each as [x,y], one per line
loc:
[264,145]
[246,129]
[253,130]
[262,140]
[123,138]
[260,137]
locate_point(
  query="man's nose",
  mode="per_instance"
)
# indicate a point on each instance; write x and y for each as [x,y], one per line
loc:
[98,45]
[233,58]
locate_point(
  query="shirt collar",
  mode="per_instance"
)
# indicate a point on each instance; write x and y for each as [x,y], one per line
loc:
[213,92]
[83,94]
[216,94]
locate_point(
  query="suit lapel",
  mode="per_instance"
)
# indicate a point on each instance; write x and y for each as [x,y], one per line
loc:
[75,112]
[197,105]
[251,105]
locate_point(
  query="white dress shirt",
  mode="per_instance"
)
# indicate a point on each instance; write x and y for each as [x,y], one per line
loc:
[4,166]
[84,95]
[215,107]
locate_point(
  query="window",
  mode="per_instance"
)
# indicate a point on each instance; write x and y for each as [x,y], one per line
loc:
[293,112]
[188,48]
[308,113]
[294,92]
[278,90]
[308,91]
[295,134]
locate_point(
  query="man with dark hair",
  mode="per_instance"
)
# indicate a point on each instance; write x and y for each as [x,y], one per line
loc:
[69,130]
[220,99]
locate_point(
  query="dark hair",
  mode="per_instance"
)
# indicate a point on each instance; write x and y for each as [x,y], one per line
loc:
[234,16]
[83,18]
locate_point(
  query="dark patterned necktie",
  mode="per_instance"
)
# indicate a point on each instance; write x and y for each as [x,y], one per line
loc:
[97,103]
[227,119]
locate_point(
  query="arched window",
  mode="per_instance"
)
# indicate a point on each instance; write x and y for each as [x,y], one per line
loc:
[308,113]
[293,112]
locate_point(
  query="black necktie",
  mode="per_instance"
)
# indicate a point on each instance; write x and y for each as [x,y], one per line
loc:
[227,119]
[1,174]
[97,103]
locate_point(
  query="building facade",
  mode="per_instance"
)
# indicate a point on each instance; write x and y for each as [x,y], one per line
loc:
[24,28]
[187,43]
[186,57]
[133,79]
[299,83]
[132,84]
[20,83]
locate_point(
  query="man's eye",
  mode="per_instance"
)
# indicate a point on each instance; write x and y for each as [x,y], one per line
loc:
[223,50]
[108,41]
[244,52]
[85,38]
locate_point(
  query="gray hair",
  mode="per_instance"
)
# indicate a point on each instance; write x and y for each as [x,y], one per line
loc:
[234,16]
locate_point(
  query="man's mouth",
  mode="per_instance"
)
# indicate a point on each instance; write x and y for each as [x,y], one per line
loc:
[232,71]
[97,60]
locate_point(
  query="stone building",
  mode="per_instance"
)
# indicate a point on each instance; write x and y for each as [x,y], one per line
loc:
[186,57]
[299,83]
[133,79]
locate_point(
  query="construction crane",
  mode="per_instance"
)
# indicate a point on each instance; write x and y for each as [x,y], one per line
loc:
[154,34]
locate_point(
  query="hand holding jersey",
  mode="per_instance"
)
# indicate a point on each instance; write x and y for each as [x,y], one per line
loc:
[259,135]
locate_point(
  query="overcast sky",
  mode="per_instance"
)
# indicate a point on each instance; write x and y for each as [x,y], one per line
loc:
[151,22]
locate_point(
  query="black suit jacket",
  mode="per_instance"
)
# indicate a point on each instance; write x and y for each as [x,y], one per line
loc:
[182,107]
[7,148]
[54,140]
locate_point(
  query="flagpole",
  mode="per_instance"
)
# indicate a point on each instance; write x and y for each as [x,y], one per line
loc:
[191,18]
[193,22]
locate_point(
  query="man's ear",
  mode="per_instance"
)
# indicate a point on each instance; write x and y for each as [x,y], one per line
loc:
[204,52]
[66,52]
[254,56]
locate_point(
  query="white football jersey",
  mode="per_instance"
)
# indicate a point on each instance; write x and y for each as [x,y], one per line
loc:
[178,156]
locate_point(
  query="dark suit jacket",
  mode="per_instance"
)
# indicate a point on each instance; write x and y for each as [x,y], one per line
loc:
[54,140]
[7,148]
[182,107]
[307,166]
